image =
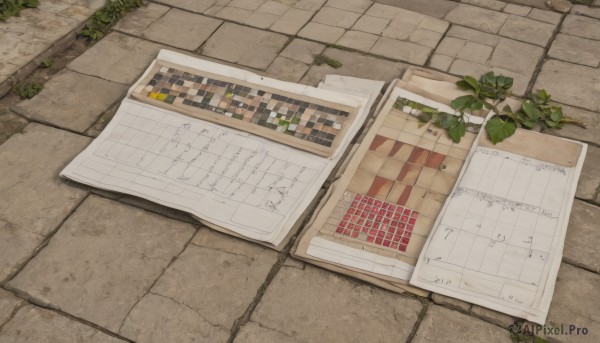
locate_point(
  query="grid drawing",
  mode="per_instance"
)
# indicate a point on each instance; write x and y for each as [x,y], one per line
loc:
[165,156]
[499,227]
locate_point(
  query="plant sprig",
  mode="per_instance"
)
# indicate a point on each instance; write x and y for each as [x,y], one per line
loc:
[488,92]
[104,18]
[9,8]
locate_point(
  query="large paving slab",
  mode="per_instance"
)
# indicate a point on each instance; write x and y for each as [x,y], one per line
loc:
[10,123]
[33,199]
[157,318]
[253,332]
[383,30]
[243,45]
[465,51]
[434,8]
[302,51]
[287,69]
[576,302]
[203,292]
[527,30]
[588,187]
[357,65]
[8,304]
[578,41]
[102,260]
[117,57]
[140,18]
[312,305]
[34,324]
[197,6]
[444,325]
[583,236]
[189,33]
[287,16]
[571,84]
[593,12]
[72,100]
[576,50]
[26,37]
[580,26]
[478,18]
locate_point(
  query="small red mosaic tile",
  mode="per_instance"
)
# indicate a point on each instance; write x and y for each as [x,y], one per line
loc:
[378,222]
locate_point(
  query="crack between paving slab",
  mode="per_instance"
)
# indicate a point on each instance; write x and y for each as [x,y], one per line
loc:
[540,63]
[29,300]
[42,245]
[428,61]
[245,317]
[173,259]
[221,250]
[578,265]
[191,308]
[417,324]
[593,201]
[12,314]
[274,330]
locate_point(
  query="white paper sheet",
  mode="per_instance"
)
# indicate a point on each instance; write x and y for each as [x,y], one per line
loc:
[242,182]
[498,241]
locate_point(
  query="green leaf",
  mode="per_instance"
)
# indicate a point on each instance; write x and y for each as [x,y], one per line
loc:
[473,83]
[530,109]
[556,114]
[488,79]
[462,84]
[462,102]
[457,131]
[487,105]
[447,120]
[530,124]
[551,123]
[542,94]
[476,105]
[425,116]
[499,129]
[506,109]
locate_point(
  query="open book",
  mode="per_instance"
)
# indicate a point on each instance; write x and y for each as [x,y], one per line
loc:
[243,153]
[479,222]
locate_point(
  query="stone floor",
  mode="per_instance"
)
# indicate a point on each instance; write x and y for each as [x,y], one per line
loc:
[82,265]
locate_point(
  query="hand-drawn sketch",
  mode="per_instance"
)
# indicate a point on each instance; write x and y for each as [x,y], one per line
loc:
[498,241]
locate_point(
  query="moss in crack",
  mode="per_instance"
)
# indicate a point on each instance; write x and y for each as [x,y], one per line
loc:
[321,59]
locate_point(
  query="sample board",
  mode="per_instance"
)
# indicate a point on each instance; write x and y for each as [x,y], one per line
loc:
[237,180]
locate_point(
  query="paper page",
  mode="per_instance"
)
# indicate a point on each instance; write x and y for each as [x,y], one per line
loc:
[248,184]
[498,241]
[244,183]
[387,200]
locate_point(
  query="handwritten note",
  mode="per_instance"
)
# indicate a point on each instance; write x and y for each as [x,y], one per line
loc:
[500,234]
[231,178]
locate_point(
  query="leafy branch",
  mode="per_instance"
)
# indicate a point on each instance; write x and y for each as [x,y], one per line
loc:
[9,8]
[488,92]
[104,18]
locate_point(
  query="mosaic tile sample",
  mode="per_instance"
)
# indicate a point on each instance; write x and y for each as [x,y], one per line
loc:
[375,221]
[385,204]
[270,112]
[407,172]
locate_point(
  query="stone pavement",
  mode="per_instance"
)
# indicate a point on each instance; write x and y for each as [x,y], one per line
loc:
[83,265]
